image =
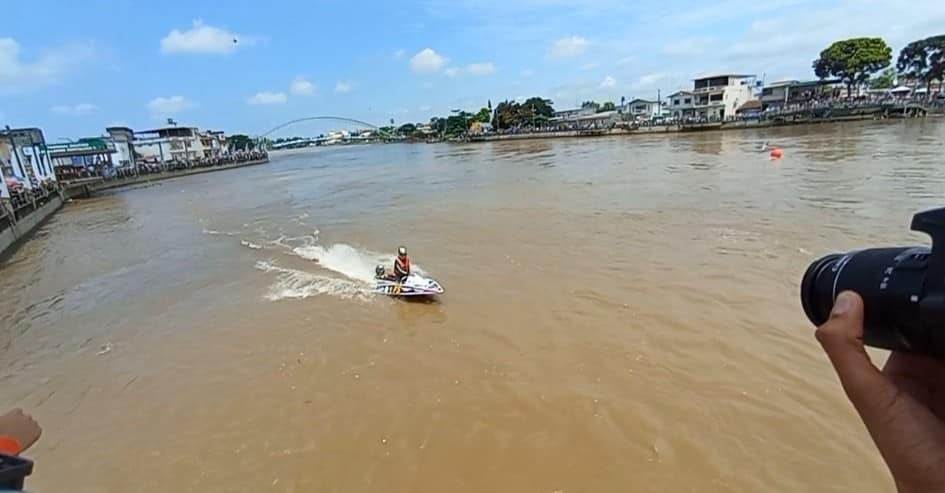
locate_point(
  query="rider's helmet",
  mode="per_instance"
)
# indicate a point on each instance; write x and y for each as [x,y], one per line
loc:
[402,252]
[379,271]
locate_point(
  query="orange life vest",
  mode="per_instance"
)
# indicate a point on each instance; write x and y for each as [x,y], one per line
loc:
[402,266]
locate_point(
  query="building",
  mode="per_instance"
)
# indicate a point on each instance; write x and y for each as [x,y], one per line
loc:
[214,143]
[70,159]
[642,109]
[24,157]
[122,138]
[717,97]
[567,115]
[586,118]
[791,92]
[776,94]
[680,104]
[170,143]
[478,127]
[750,109]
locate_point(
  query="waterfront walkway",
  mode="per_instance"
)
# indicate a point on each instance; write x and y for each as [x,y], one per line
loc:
[85,187]
[815,112]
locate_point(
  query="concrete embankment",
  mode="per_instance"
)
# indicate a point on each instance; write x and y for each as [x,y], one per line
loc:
[820,115]
[13,234]
[86,188]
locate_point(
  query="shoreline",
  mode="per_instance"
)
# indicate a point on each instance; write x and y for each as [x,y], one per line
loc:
[87,187]
[779,121]
[14,235]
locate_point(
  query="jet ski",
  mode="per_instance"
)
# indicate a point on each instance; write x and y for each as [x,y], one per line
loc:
[413,285]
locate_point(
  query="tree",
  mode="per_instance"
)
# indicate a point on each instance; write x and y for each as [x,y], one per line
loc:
[407,129]
[483,116]
[438,125]
[885,80]
[458,123]
[586,105]
[504,115]
[532,112]
[540,107]
[853,60]
[240,142]
[924,60]
[607,106]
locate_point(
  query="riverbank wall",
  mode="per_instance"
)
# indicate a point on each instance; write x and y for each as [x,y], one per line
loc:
[88,187]
[806,116]
[13,234]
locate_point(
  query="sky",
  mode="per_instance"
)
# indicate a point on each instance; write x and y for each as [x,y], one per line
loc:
[74,68]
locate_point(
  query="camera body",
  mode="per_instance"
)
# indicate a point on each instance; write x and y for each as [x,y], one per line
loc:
[903,289]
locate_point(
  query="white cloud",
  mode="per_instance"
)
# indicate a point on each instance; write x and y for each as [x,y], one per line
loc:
[568,47]
[342,87]
[266,97]
[424,108]
[302,87]
[169,105]
[75,109]
[427,85]
[427,60]
[479,69]
[17,74]
[399,54]
[528,72]
[589,66]
[608,82]
[650,79]
[687,46]
[485,68]
[626,60]
[203,38]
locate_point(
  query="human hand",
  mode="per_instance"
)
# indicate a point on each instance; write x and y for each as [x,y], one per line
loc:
[21,427]
[902,406]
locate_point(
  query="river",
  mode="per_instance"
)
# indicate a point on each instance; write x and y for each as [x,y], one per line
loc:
[621,314]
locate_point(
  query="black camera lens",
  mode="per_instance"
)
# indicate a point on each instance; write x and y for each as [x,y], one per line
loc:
[903,290]
[886,279]
[817,288]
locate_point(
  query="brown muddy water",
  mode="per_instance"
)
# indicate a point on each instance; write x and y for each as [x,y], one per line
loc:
[621,314]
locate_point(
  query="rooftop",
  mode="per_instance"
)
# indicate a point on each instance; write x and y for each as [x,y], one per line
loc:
[165,129]
[782,83]
[818,82]
[714,76]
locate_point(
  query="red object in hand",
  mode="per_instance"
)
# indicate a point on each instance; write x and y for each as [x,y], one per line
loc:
[10,446]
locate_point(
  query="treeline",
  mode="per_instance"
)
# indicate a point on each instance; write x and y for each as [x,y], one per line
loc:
[856,61]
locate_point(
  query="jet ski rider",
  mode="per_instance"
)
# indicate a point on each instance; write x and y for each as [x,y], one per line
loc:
[401,265]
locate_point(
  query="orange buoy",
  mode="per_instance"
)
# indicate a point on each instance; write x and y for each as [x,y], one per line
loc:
[777,153]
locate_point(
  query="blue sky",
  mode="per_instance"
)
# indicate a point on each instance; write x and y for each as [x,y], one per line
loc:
[74,68]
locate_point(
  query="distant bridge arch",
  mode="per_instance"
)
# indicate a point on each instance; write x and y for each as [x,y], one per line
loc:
[311,118]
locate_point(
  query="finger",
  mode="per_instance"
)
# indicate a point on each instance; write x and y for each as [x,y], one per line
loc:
[842,339]
[32,433]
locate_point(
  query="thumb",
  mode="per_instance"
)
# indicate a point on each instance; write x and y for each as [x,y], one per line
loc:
[842,339]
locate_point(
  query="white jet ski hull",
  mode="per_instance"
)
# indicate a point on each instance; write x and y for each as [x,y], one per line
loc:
[414,285]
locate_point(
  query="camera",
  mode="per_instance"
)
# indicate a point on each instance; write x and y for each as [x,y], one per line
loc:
[903,290]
